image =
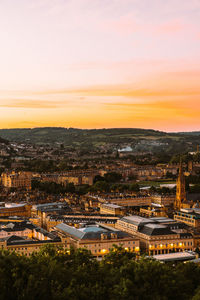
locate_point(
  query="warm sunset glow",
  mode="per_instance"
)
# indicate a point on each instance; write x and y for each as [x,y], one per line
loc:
[94,64]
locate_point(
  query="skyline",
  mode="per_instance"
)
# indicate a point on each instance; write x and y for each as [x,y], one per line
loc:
[100,64]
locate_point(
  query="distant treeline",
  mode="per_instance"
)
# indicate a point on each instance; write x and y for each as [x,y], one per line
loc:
[107,183]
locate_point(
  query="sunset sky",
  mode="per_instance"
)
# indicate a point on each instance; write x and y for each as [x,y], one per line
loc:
[100,63]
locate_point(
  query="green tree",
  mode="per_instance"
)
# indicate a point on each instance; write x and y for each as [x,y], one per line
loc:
[112,177]
[101,186]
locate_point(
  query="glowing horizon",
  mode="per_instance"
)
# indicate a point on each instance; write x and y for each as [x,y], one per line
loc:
[100,64]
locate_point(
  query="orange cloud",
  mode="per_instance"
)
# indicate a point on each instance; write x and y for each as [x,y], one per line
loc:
[128,91]
[38,104]
[183,108]
[167,102]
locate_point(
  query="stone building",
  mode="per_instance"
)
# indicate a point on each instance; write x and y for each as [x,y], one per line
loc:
[158,235]
[97,238]
[17,180]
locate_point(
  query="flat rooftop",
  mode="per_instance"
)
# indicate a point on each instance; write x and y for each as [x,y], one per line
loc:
[112,205]
[178,256]
[162,220]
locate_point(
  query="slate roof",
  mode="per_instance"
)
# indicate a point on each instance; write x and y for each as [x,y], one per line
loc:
[46,233]
[17,226]
[155,229]
[162,220]
[137,220]
[12,238]
[185,235]
[29,242]
[92,234]
[156,225]
[177,225]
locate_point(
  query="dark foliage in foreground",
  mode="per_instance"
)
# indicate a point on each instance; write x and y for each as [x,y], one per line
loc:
[53,274]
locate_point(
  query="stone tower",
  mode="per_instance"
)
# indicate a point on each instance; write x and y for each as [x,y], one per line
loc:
[180,189]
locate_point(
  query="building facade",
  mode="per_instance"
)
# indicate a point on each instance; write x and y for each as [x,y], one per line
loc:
[17,180]
[157,235]
[189,216]
[97,238]
[111,209]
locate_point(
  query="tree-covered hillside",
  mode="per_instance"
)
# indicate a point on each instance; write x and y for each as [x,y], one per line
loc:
[66,135]
[115,138]
[58,275]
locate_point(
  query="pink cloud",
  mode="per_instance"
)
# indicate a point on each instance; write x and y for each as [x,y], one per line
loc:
[197,36]
[171,27]
[128,24]
[124,25]
[174,27]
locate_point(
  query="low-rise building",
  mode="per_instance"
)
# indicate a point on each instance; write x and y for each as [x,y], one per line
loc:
[97,238]
[112,209]
[43,210]
[42,234]
[155,210]
[158,235]
[22,210]
[127,200]
[17,180]
[176,257]
[189,216]
[21,229]
[27,246]
[165,200]
[74,219]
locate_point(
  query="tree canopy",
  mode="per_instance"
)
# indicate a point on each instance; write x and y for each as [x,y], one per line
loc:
[57,274]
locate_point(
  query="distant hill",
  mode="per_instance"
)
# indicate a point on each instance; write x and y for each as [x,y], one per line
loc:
[191,133]
[68,135]
[139,139]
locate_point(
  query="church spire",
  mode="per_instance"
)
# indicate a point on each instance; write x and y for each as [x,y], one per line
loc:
[180,188]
